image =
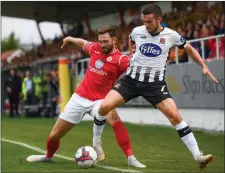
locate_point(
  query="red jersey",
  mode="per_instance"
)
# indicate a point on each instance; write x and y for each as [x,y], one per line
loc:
[102,72]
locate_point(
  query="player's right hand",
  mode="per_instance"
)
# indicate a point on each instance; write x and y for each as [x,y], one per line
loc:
[65,41]
[133,49]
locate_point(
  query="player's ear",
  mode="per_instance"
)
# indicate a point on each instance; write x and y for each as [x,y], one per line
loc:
[114,40]
[159,20]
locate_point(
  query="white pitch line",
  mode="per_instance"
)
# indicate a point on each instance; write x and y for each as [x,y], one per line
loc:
[64,157]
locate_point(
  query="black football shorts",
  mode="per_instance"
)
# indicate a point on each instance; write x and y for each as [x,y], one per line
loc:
[153,92]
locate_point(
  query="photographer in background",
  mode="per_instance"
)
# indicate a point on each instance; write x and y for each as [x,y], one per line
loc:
[13,88]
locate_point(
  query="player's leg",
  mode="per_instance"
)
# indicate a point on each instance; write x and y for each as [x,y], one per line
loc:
[97,130]
[169,109]
[161,99]
[60,128]
[71,115]
[122,92]
[122,138]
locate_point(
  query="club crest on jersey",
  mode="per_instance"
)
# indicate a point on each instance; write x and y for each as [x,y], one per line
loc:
[150,50]
[109,59]
[162,41]
[99,64]
[182,39]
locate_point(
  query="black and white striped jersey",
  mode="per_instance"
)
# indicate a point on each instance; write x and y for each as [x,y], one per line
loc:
[148,63]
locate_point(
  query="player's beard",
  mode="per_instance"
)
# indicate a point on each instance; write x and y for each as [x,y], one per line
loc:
[107,50]
[155,30]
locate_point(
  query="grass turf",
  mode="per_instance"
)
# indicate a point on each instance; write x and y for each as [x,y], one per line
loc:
[160,148]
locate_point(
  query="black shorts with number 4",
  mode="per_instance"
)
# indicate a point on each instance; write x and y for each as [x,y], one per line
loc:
[153,92]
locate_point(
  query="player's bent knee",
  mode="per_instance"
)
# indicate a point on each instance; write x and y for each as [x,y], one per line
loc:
[175,118]
[105,108]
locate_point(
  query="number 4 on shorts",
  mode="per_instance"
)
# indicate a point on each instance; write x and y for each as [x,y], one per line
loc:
[162,89]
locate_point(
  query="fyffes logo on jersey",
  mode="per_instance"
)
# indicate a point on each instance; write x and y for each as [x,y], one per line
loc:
[99,64]
[150,50]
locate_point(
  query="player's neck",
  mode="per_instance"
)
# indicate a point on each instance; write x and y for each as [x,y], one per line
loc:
[159,29]
[113,50]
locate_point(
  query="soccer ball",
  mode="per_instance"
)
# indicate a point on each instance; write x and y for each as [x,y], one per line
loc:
[86,157]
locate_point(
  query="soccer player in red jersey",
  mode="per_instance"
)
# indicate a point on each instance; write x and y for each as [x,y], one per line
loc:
[107,63]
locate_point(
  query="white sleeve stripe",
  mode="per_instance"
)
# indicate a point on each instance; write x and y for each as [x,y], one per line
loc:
[85,44]
[121,58]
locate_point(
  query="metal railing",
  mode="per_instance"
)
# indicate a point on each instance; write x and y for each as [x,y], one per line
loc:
[202,41]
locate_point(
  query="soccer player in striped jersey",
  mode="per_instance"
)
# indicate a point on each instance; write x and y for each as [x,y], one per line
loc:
[146,76]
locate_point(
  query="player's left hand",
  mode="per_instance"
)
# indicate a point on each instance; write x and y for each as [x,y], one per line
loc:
[65,41]
[206,71]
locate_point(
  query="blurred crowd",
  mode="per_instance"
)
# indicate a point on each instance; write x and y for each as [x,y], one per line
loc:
[191,24]
[214,25]
[27,88]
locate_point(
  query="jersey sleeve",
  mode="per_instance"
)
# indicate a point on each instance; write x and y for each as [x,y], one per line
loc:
[88,46]
[124,63]
[179,41]
[132,35]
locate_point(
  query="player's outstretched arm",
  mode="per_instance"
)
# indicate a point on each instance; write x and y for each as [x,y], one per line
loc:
[193,53]
[77,41]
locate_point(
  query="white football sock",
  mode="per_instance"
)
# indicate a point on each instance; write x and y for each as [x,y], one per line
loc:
[188,138]
[99,123]
[130,158]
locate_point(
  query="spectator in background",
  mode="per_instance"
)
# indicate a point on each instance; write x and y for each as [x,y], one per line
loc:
[27,88]
[197,27]
[217,26]
[212,30]
[208,44]
[179,29]
[55,80]
[124,43]
[221,29]
[183,34]
[13,88]
[52,95]
[209,22]
[37,80]
[197,44]
[190,31]
[31,89]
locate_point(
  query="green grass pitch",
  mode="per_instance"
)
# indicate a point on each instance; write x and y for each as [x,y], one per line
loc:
[160,148]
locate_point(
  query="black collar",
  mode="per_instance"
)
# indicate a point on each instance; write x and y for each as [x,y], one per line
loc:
[157,33]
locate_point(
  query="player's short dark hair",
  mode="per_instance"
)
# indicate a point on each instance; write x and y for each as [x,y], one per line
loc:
[152,9]
[111,30]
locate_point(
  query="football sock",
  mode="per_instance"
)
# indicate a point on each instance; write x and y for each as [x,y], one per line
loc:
[188,138]
[99,122]
[52,146]
[122,138]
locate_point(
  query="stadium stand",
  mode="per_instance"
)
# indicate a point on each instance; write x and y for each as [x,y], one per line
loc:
[191,23]
[196,25]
